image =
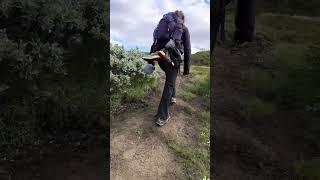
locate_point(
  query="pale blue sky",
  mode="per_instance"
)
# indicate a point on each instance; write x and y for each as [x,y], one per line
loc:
[132,22]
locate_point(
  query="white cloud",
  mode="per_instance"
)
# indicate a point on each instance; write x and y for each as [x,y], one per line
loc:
[115,42]
[134,21]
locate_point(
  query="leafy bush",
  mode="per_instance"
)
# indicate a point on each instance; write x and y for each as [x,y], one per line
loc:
[128,81]
[52,58]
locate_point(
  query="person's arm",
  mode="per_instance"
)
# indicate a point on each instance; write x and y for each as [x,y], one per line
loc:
[187,52]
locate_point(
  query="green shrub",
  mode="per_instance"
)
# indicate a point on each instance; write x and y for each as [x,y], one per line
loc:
[53,64]
[129,83]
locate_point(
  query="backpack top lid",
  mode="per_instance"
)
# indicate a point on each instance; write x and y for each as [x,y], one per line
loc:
[170,16]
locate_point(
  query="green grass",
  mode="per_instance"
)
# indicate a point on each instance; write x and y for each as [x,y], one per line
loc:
[189,95]
[132,94]
[283,28]
[195,159]
[285,79]
[255,109]
[205,115]
[200,84]
[293,7]
[291,64]
[288,29]
[200,70]
[308,170]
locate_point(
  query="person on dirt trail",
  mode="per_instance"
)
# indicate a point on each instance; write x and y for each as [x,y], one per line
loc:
[173,36]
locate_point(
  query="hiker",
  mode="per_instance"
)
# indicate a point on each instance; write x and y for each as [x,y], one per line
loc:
[172,35]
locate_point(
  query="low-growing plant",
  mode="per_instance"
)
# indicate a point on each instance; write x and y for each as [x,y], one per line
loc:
[200,86]
[195,160]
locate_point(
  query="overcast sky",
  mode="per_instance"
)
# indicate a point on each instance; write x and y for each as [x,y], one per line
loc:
[133,22]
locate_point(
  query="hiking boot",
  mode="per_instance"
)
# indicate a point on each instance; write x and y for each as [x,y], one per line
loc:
[162,122]
[173,101]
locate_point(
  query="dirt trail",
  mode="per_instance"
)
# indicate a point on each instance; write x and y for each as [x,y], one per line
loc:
[140,149]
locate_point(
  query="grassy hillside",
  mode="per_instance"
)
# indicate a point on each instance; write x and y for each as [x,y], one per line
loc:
[201,58]
[291,7]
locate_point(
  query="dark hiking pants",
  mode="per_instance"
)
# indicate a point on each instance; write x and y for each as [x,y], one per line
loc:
[169,91]
[245,20]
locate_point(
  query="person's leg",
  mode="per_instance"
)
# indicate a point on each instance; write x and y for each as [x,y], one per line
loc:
[168,91]
[223,13]
[245,21]
[163,109]
[173,99]
[174,91]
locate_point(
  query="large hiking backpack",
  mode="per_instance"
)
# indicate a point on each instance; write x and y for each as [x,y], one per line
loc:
[169,27]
